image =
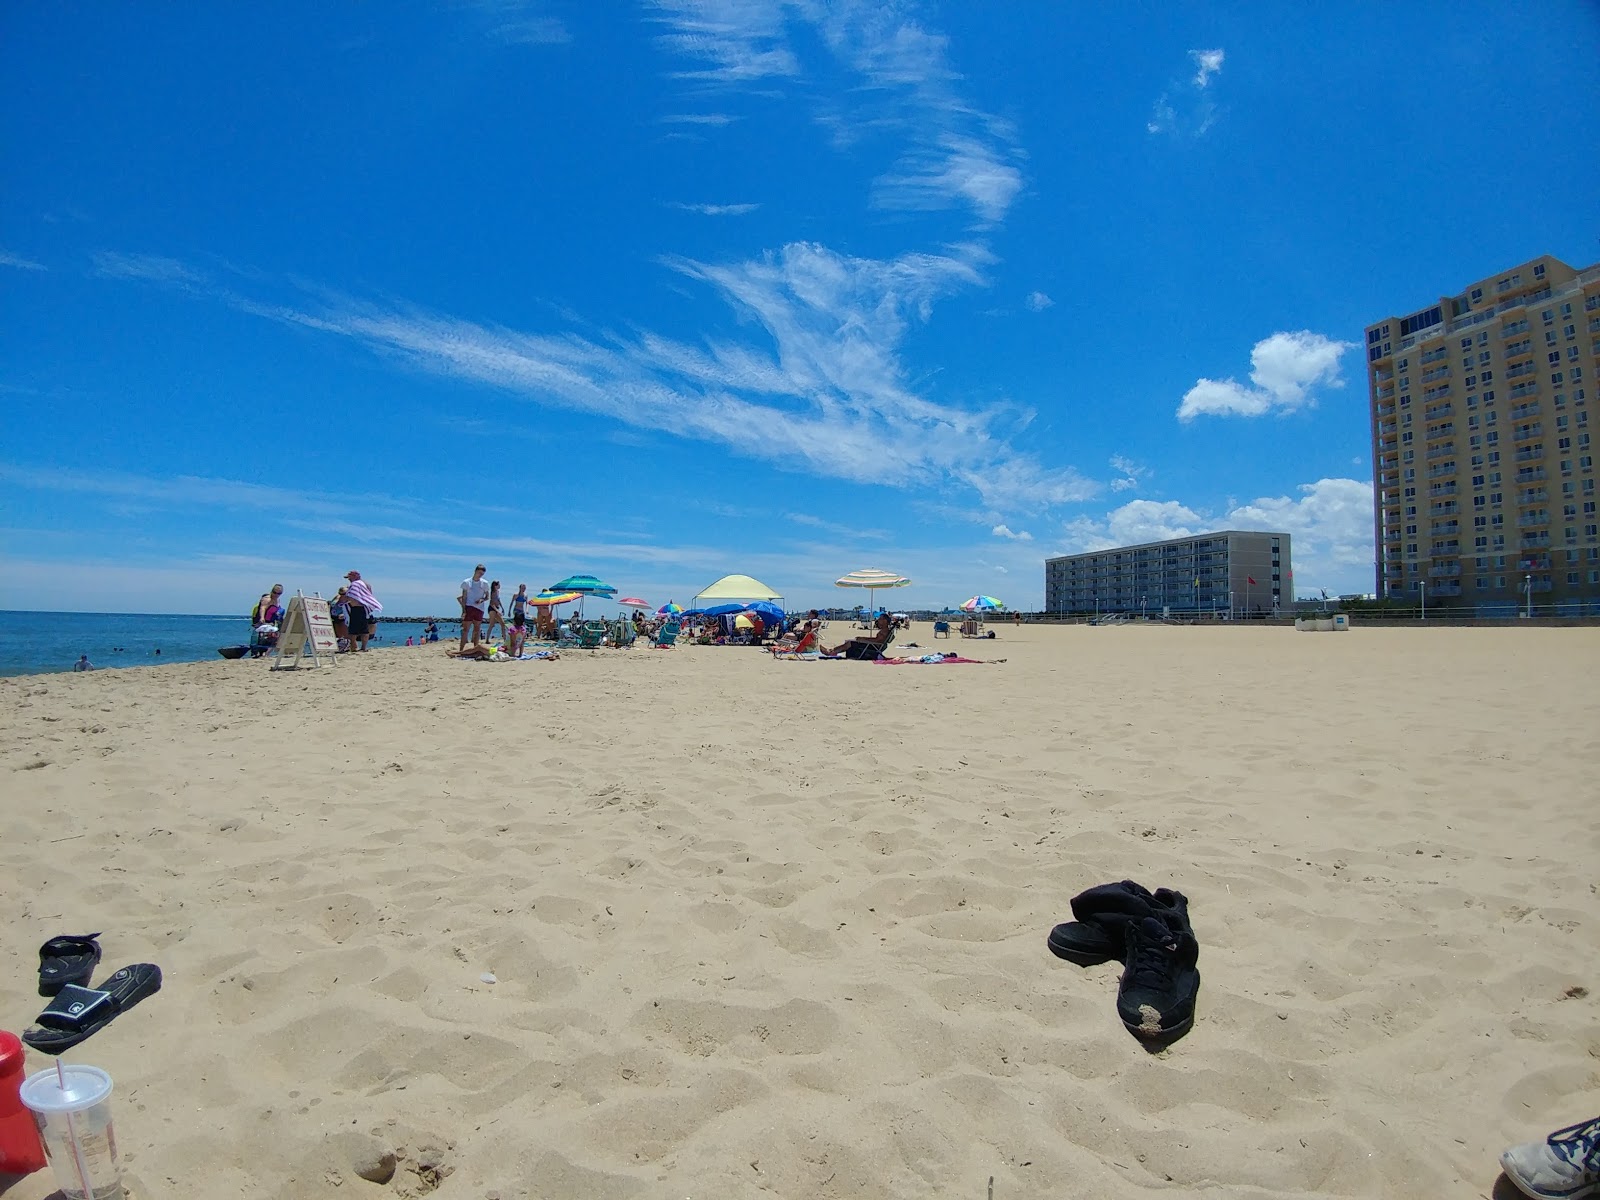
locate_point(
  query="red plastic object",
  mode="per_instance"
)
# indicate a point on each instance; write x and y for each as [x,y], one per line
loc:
[20,1149]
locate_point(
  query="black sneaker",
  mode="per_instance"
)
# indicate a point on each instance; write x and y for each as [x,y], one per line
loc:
[1103,914]
[1156,997]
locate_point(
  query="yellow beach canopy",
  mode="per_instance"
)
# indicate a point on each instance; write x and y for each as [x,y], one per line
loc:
[738,587]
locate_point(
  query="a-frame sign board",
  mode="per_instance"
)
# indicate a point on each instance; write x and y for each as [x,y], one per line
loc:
[306,632]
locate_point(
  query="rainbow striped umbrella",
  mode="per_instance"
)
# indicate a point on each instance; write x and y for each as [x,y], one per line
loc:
[669,609]
[981,604]
[549,599]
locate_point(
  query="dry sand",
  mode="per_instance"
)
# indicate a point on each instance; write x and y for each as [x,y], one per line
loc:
[778,929]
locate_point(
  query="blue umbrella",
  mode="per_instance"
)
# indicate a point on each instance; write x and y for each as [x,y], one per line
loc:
[584,585]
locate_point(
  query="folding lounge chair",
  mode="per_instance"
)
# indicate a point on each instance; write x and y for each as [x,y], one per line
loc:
[622,634]
[591,635]
[667,634]
[941,629]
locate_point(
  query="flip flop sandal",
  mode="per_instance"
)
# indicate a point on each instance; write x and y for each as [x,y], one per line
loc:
[67,958]
[78,1013]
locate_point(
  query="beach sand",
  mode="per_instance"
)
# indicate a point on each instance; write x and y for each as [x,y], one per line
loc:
[778,929]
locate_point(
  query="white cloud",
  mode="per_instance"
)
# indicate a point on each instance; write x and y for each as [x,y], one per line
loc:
[22,264]
[951,168]
[1207,63]
[718,210]
[1330,522]
[1186,109]
[698,119]
[152,267]
[1131,473]
[957,156]
[1004,531]
[739,40]
[825,392]
[1038,302]
[1284,368]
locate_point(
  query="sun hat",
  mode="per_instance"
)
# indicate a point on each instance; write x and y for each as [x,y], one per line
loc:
[352,574]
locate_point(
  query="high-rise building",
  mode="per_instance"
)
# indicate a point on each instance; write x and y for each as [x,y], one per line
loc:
[1242,574]
[1484,480]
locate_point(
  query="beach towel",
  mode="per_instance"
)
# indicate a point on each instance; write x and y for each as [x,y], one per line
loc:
[935,660]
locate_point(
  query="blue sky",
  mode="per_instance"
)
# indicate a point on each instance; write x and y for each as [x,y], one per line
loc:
[663,291]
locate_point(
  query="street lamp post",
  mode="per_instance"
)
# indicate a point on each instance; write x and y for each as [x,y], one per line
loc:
[1528,580]
[1231,613]
[1422,591]
[1142,600]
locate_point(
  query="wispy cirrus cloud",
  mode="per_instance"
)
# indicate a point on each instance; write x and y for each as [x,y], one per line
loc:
[699,119]
[717,210]
[152,267]
[825,393]
[1284,369]
[738,40]
[521,22]
[955,155]
[7,259]
[1187,108]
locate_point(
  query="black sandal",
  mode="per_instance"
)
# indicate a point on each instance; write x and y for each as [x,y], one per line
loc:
[67,958]
[78,1013]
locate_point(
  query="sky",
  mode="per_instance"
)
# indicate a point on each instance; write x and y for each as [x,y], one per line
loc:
[661,291]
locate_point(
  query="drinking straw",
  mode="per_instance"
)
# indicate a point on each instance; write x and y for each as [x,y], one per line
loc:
[78,1159]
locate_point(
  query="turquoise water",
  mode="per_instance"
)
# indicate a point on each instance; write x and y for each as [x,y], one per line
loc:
[34,643]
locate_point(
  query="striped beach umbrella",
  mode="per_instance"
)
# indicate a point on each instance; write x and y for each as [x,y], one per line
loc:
[872,579]
[982,604]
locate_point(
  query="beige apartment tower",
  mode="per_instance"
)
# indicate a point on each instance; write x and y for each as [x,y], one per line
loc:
[1484,480]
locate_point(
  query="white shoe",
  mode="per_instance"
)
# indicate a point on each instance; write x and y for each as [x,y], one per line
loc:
[1565,1166]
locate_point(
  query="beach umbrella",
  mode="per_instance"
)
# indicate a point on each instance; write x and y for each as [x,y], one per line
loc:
[872,579]
[633,602]
[669,609]
[738,587]
[981,604]
[549,598]
[584,585]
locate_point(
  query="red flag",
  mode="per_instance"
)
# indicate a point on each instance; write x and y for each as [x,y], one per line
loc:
[1251,580]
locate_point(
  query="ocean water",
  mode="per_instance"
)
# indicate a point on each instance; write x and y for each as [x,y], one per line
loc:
[34,643]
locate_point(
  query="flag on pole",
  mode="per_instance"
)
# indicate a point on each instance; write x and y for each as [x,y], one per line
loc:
[1251,580]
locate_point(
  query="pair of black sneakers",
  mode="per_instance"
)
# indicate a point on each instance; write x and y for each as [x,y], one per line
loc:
[1150,933]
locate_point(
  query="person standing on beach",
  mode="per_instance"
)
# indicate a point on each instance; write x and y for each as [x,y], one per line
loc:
[495,613]
[364,609]
[474,598]
[339,614]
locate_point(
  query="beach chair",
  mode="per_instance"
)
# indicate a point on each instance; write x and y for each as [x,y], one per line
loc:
[591,634]
[667,635]
[941,629]
[622,634]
